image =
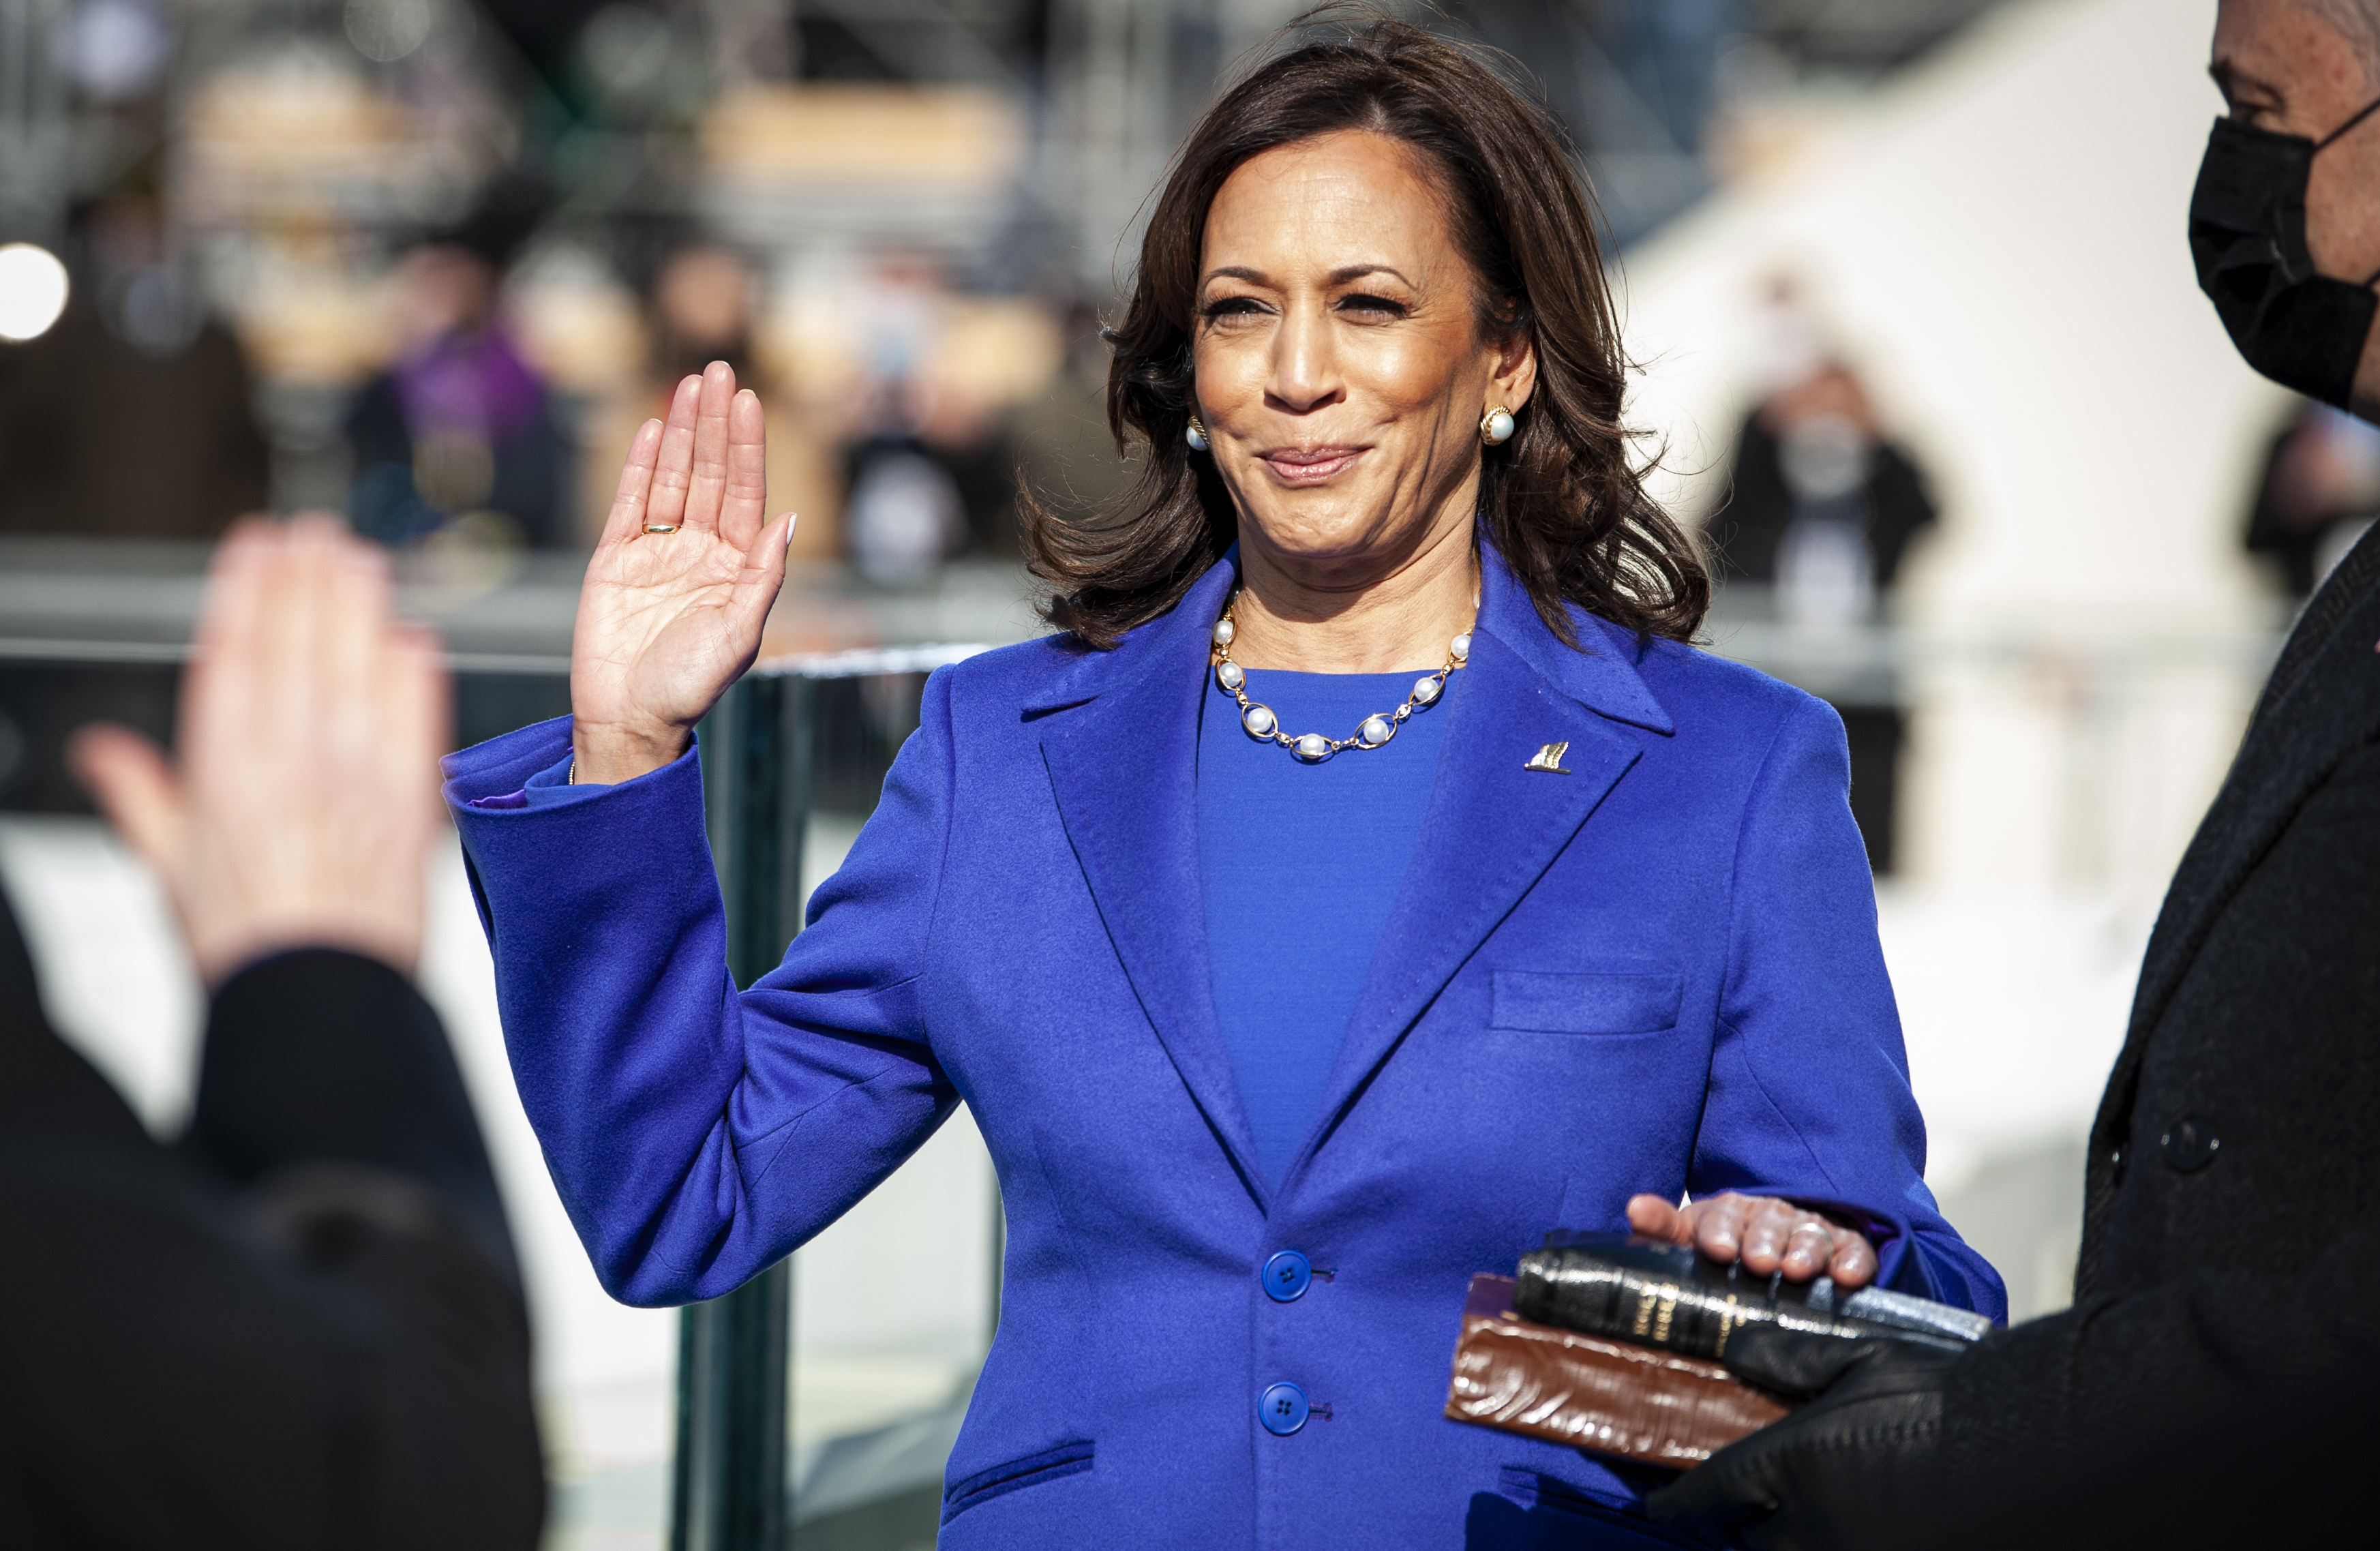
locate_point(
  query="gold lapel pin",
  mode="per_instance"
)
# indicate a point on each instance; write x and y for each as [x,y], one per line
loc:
[1549,758]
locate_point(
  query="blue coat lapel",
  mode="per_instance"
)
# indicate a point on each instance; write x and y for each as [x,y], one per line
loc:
[1494,825]
[1123,760]
[1124,772]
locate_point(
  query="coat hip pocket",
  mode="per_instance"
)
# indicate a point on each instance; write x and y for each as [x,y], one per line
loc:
[1033,1469]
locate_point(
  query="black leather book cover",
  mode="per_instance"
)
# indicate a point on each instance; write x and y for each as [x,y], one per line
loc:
[1664,1296]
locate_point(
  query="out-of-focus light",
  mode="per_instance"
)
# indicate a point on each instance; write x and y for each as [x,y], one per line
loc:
[33,291]
[116,49]
[627,46]
[388,29]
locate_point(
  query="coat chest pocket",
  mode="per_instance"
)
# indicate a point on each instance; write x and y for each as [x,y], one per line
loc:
[1616,1001]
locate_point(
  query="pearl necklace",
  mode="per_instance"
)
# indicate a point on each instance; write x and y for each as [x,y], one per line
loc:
[1313,747]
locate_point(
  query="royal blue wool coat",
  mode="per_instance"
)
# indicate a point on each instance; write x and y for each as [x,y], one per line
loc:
[1657,971]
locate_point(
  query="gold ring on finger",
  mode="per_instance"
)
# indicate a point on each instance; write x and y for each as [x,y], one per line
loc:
[661,527]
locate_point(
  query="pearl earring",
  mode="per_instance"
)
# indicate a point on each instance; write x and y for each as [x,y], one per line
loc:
[1496,425]
[1195,434]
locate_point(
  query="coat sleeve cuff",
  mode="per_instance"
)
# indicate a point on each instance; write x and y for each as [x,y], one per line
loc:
[526,770]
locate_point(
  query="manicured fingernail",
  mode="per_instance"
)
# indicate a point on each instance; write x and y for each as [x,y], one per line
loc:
[792,520]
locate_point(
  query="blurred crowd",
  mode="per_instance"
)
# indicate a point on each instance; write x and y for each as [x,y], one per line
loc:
[135,413]
[429,263]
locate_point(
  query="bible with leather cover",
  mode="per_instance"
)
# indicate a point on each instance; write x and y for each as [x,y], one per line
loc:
[1612,1343]
[1588,1392]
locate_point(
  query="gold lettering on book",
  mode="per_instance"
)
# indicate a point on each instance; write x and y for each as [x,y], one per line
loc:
[1644,1311]
[1729,1318]
[1668,1307]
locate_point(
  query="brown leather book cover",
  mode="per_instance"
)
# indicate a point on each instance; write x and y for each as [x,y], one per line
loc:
[1653,1407]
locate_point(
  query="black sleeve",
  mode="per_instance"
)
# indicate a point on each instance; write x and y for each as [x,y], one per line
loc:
[324,1057]
[321,1359]
[2218,1406]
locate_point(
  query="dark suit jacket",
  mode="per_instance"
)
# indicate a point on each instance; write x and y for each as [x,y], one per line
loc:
[300,1329]
[1748,531]
[2224,1324]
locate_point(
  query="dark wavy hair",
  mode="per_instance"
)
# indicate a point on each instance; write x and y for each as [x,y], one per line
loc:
[1563,501]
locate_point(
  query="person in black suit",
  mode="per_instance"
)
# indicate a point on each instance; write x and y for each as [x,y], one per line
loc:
[1823,508]
[2215,1378]
[460,433]
[301,1325]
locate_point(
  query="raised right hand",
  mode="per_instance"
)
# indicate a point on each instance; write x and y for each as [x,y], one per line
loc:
[667,620]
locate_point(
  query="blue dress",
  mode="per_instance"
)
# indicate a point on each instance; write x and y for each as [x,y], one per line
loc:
[1300,865]
[1653,966]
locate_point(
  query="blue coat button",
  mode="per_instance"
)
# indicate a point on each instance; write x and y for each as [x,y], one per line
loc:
[1286,1276]
[1282,1410]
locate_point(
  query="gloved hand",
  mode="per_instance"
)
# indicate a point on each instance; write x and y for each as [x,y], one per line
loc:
[1853,1467]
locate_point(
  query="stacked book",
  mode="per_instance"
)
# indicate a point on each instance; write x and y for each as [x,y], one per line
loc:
[1615,1344]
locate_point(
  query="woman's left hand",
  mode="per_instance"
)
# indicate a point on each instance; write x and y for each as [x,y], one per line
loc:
[1766,1233]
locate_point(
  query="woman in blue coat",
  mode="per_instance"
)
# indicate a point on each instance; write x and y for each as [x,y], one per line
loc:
[1365,878]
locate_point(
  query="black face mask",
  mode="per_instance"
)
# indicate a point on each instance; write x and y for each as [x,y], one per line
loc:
[2247,233]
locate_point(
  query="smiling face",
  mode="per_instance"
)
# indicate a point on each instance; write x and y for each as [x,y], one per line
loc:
[1342,372]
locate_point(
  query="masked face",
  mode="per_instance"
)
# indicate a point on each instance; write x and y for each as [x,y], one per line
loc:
[2247,233]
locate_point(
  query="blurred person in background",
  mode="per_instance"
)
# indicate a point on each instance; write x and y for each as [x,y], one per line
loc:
[2319,490]
[301,1325]
[907,513]
[178,453]
[1823,509]
[703,305]
[1823,503]
[2212,1382]
[459,433]
[175,455]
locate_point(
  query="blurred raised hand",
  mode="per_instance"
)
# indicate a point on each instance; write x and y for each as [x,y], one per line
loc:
[302,800]
[668,619]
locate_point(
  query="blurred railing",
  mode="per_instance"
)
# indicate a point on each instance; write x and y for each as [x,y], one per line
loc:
[94,629]
[762,768]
